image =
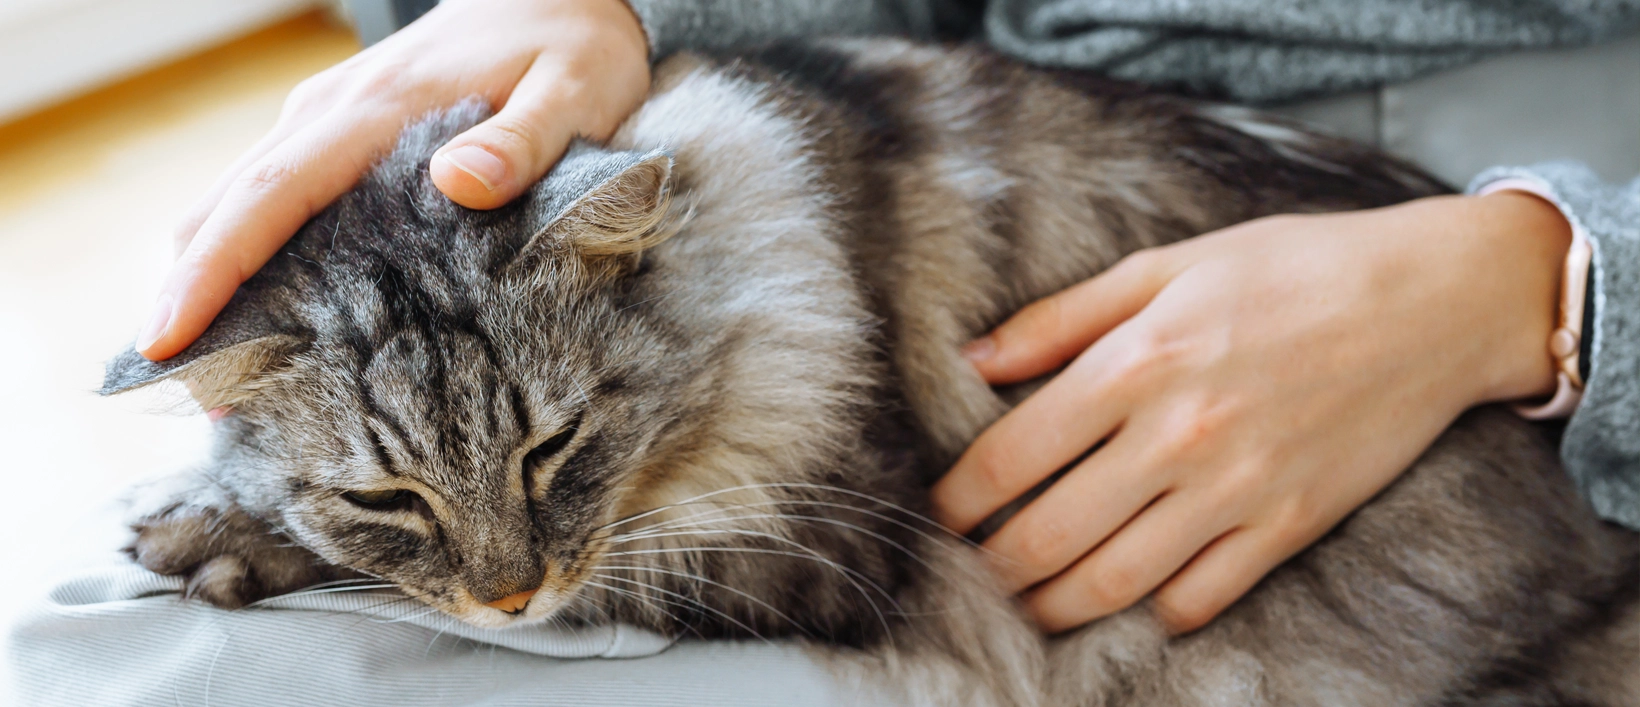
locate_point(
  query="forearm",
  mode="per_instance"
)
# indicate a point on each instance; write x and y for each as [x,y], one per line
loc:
[1601,449]
[675,25]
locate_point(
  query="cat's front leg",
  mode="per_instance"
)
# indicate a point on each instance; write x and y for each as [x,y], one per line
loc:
[190,526]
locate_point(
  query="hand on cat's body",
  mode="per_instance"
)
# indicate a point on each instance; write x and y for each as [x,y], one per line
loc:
[1253,386]
[554,69]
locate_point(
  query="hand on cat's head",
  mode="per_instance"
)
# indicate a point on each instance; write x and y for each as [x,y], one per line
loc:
[553,70]
[382,396]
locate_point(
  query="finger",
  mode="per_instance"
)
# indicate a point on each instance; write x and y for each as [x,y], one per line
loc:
[260,210]
[1221,574]
[1053,427]
[495,161]
[1075,515]
[202,209]
[309,102]
[1049,332]
[1137,559]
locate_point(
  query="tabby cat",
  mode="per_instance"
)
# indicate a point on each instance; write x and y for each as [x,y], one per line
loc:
[699,380]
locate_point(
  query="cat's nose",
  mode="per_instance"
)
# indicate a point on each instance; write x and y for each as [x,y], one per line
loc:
[512,604]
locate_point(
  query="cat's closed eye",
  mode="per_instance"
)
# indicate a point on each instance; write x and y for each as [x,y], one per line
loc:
[550,448]
[390,500]
[544,452]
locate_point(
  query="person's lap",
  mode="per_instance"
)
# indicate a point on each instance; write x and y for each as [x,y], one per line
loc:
[123,636]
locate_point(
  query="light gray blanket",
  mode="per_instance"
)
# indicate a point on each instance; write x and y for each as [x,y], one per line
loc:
[118,635]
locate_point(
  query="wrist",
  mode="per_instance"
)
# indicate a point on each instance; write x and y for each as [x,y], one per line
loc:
[1527,239]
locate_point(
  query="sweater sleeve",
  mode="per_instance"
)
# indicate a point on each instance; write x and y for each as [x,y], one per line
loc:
[1601,447]
[1265,51]
[673,25]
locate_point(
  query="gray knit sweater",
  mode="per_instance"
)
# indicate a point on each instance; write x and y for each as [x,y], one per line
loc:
[1264,51]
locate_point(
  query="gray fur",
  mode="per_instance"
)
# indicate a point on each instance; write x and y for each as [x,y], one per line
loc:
[699,379]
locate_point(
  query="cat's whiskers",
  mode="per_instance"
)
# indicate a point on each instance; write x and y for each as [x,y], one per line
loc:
[787,485]
[848,574]
[682,522]
[328,590]
[808,552]
[409,617]
[697,578]
[649,602]
[341,582]
[792,517]
[684,597]
[449,621]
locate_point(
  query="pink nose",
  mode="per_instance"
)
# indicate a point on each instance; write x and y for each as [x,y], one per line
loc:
[514,603]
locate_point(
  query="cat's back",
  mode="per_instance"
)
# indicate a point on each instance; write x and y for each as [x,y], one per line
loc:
[957,185]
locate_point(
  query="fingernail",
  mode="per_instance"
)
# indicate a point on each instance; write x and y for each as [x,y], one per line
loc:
[488,169]
[158,322]
[980,349]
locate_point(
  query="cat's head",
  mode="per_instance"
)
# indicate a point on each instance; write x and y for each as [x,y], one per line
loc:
[451,400]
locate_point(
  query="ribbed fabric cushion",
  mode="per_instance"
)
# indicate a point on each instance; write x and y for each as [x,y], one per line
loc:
[120,635]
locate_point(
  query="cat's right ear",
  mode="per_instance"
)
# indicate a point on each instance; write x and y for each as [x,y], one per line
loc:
[600,208]
[222,366]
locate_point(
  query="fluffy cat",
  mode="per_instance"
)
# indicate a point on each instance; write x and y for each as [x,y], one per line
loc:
[699,379]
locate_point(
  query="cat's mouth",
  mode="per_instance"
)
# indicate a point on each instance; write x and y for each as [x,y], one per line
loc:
[527,607]
[514,604]
[522,608]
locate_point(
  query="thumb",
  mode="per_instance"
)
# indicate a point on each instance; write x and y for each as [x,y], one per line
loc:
[1051,331]
[495,161]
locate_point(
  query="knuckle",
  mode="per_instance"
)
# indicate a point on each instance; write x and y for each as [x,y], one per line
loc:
[994,471]
[511,136]
[1030,326]
[1115,587]
[1140,263]
[1156,350]
[1198,423]
[1295,520]
[1135,361]
[1048,314]
[1280,221]
[382,79]
[1182,614]
[310,91]
[1041,543]
[1244,481]
[184,235]
[266,176]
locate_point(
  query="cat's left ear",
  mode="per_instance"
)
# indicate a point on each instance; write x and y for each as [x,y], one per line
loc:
[604,206]
[245,343]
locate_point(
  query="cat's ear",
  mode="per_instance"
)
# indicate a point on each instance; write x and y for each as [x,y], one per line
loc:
[222,366]
[604,206]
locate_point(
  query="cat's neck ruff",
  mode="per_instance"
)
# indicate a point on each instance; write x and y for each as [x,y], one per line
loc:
[763,251]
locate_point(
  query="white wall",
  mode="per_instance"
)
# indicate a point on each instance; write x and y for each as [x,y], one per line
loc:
[54,49]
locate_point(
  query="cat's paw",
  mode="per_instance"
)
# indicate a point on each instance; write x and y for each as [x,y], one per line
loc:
[229,558]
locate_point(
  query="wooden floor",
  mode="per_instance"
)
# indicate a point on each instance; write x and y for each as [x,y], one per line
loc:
[89,193]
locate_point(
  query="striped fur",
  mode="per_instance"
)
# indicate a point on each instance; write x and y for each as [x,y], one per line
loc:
[699,379]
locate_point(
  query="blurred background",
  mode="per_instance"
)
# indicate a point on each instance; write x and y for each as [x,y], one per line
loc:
[114,116]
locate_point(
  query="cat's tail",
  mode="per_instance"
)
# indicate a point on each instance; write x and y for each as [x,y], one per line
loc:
[959,640]
[1294,159]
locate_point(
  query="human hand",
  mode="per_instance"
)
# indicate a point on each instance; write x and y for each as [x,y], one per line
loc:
[1252,386]
[553,69]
